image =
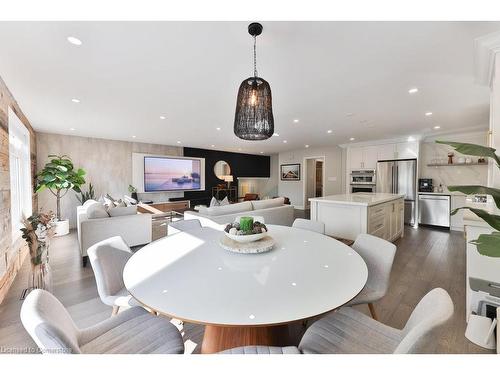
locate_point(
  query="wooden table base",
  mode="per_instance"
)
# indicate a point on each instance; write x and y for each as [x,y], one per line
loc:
[217,339]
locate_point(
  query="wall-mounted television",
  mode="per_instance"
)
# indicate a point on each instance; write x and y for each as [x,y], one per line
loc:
[165,173]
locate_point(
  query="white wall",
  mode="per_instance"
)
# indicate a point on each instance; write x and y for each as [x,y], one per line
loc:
[462,175]
[108,165]
[334,172]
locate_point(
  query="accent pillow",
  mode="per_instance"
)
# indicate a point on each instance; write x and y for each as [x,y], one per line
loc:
[224,202]
[129,201]
[88,202]
[122,211]
[214,202]
[268,203]
[119,203]
[97,211]
[229,209]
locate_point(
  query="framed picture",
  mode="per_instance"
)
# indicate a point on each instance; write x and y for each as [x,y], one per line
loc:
[290,172]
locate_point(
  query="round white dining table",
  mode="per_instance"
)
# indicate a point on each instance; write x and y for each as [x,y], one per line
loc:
[244,299]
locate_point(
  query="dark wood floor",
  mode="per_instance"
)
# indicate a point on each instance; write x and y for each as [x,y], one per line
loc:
[426,258]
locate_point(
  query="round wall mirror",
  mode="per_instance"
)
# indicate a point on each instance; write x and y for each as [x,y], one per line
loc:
[221,169]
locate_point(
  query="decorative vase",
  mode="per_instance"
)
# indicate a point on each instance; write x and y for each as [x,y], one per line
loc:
[61,228]
[134,195]
[41,274]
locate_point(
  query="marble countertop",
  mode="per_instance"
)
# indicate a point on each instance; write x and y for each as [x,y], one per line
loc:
[358,199]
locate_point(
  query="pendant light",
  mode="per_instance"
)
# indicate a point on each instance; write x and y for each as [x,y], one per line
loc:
[253,120]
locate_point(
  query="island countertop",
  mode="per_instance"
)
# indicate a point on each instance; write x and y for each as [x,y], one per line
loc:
[358,199]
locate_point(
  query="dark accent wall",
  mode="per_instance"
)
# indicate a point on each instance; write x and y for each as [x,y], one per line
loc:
[242,165]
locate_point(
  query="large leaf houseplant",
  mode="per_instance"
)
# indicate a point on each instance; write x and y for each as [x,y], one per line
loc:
[59,176]
[487,244]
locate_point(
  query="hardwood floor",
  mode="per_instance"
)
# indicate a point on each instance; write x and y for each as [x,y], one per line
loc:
[426,258]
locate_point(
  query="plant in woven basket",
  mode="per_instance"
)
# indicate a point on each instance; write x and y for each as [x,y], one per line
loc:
[38,230]
[86,195]
[59,176]
[487,244]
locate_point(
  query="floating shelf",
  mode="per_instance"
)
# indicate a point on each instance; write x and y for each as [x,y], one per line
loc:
[455,164]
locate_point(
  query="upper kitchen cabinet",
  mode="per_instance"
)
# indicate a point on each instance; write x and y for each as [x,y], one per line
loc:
[394,151]
[363,157]
[406,150]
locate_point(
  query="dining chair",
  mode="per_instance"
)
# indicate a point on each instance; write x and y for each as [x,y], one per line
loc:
[183,226]
[347,330]
[108,259]
[378,255]
[314,226]
[133,331]
[261,349]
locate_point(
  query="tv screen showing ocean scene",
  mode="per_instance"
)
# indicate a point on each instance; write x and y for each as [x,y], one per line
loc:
[166,174]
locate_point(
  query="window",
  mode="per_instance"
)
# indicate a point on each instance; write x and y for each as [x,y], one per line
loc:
[20,173]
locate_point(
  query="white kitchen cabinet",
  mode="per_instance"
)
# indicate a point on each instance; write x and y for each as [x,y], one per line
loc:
[363,157]
[385,220]
[406,150]
[386,152]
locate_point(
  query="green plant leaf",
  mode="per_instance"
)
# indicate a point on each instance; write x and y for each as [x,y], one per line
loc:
[477,189]
[492,220]
[472,149]
[488,244]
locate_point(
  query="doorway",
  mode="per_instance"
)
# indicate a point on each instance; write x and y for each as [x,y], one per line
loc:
[314,175]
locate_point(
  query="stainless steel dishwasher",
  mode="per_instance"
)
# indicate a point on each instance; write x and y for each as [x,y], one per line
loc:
[434,210]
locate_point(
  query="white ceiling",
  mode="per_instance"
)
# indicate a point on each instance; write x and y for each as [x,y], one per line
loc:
[127,74]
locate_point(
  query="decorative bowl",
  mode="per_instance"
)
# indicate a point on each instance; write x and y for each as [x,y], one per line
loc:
[244,238]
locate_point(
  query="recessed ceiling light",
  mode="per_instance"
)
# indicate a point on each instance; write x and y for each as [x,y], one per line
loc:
[285,141]
[133,136]
[162,117]
[437,127]
[262,152]
[413,90]
[307,146]
[217,128]
[329,131]
[428,113]
[276,135]
[352,139]
[349,114]
[296,120]
[72,129]
[74,100]
[179,142]
[213,145]
[74,40]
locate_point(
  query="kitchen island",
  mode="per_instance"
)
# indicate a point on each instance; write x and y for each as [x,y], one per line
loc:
[347,215]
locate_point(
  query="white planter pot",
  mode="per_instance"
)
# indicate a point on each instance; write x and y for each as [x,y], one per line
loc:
[61,228]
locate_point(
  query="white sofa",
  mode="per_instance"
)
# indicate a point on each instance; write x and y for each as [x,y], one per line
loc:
[134,229]
[274,211]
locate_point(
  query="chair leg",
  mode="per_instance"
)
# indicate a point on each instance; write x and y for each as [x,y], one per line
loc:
[372,311]
[115,310]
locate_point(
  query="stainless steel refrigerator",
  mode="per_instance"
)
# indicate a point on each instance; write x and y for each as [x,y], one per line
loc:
[399,177]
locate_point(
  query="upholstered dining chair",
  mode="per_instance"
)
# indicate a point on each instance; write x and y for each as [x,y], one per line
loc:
[108,259]
[314,226]
[183,226]
[378,255]
[350,331]
[132,331]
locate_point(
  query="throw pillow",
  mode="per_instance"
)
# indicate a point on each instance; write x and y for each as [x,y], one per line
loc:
[214,202]
[119,203]
[122,211]
[97,211]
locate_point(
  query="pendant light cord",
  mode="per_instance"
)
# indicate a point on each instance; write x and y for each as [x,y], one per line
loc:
[255,56]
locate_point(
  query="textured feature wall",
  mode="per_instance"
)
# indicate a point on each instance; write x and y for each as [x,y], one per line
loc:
[12,252]
[108,165]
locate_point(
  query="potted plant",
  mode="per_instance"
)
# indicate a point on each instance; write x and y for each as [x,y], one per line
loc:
[59,176]
[86,195]
[133,192]
[38,230]
[487,244]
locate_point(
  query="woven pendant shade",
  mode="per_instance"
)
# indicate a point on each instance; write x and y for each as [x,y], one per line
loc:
[253,120]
